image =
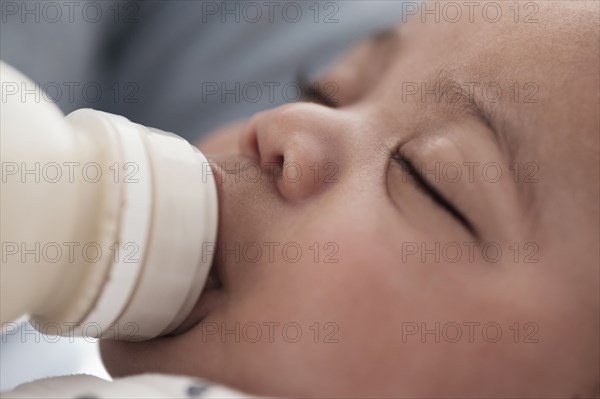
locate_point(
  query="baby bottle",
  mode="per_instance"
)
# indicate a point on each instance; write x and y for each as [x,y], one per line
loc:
[103,220]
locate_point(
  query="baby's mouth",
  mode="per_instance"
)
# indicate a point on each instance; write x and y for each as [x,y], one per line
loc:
[213,281]
[206,302]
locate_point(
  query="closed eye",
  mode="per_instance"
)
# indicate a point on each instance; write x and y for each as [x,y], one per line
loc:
[314,92]
[421,182]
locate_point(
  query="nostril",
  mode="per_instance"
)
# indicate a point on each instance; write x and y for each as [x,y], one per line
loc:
[279,160]
[275,167]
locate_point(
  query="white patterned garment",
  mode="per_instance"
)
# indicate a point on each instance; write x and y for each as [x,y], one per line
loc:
[140,386]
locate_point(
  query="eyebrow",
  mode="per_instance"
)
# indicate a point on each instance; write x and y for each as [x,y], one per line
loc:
[464,102]
[454,96]
[491,115]
[488,113]
[467,103]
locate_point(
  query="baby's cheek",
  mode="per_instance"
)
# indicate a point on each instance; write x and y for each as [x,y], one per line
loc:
[223,140]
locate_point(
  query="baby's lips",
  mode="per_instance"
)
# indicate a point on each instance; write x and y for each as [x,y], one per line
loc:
[205,303]
[211,282]
[202,308]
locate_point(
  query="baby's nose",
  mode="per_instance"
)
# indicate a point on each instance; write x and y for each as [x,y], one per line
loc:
[305,142]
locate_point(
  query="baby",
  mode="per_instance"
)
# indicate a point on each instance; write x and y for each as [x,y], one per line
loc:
[426,224]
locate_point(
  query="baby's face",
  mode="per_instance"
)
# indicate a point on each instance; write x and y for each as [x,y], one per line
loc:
[432,233]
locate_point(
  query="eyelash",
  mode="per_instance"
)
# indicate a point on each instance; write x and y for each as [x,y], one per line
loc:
[311,92]
[409,167]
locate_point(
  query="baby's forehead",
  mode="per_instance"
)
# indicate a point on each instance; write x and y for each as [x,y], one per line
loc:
[532,30]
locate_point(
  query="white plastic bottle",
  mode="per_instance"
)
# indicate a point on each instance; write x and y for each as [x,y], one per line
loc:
[103,221]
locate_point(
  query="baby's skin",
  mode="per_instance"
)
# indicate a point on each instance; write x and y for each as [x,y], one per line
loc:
[425,226]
